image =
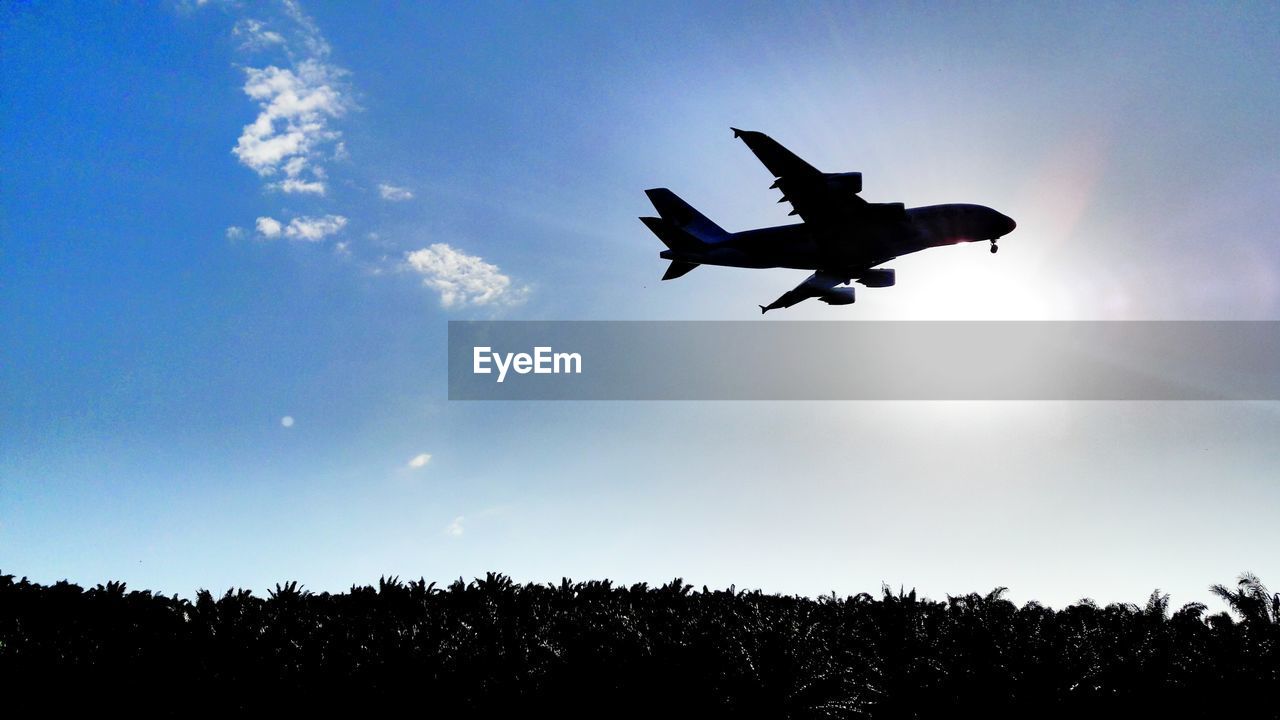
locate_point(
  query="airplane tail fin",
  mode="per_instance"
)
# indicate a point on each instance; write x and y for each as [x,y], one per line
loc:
[672,236]
[682,243]
[683,216]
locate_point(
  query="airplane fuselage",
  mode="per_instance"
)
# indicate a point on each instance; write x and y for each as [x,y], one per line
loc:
[842,239]
[856,248]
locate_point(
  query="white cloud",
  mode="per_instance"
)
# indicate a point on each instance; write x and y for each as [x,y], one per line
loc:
[291,185]
[235,232]
[419,461]
[296,104]
[255,34]
[292,135]
[393,193]
[287,421]
[268,227]
[455,527]
[462,279]
[292,124]
[309,33]
[295,166]
[313,229]
[304,96]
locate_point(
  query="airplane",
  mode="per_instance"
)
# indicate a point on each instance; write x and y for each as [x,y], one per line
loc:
[843,238]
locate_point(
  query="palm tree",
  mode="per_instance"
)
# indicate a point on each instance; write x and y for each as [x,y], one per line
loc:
[1251,600]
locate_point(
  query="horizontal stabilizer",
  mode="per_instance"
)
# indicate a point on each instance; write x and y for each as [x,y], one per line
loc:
[678,268]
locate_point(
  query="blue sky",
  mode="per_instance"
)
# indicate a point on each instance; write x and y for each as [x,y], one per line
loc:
[219,215]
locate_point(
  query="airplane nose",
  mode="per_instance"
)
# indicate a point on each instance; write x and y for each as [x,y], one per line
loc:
[1009,224]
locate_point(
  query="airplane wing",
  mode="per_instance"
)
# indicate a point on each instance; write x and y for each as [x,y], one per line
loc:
[826,201]
[821,285]
[780,161]
[820,199]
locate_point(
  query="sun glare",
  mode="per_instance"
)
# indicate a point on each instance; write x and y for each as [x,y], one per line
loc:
[967,283]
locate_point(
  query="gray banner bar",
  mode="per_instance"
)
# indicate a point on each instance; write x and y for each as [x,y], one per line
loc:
[657,360]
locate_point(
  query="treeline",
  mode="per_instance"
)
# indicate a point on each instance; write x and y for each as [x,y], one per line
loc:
[491,647]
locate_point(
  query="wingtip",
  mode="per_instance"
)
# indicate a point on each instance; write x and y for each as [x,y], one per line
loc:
[763,309]
[736,132]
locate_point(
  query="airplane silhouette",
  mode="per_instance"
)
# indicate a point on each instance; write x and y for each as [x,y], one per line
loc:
[842,239]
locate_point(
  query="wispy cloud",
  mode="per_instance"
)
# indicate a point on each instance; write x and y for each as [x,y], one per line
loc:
[393,193]
[235,232]
[455,528]
[461,279]
[293,185]
[255,36]
[313,229]
[309,33]
[419,461]
[300,96]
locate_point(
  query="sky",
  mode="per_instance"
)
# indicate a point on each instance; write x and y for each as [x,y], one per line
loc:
[233,235]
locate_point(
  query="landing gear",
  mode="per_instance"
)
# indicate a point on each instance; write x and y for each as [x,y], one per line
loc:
[994,248]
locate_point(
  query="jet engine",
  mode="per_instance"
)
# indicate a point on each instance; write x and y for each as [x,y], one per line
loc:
[846,182]
[881,278]
[838,296]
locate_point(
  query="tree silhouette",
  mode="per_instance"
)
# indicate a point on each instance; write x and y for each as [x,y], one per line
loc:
[490,647]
